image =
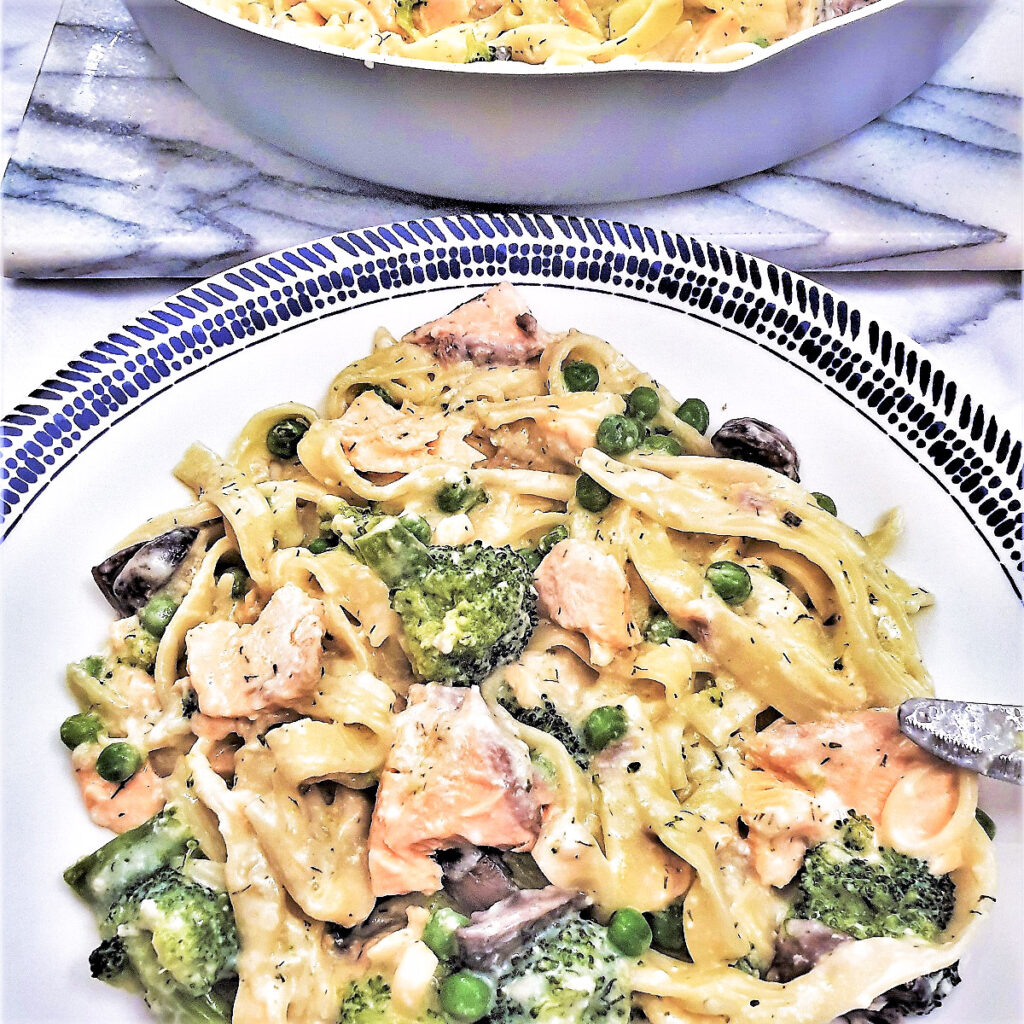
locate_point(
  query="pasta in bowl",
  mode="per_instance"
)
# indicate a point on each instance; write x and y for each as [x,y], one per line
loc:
[500,690]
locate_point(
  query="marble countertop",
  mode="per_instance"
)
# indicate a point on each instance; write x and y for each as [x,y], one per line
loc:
[119,171]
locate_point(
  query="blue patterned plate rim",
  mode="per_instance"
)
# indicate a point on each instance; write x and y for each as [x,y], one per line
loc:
[881,373]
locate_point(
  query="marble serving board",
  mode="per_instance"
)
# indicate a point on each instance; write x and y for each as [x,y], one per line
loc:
[119,171]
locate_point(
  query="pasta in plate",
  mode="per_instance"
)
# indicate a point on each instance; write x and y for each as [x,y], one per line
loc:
[499,691]
[542,31]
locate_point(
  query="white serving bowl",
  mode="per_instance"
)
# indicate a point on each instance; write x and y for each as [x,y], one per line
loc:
[514,133]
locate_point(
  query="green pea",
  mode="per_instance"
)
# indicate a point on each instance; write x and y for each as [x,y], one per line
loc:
[157,613]
[118,762]
[84,727]
[667,930]
[694,412]
[318,545]
[591,495]
[439,932]
[661,628]
[534,556]
[825,502]
[459,497]
[661,444]
[284,436]
[617,435]
[602,726]
[240,581]
[554,536]
[93,665]
[731,582]
[418,527]
[986,823]
[382,393]
[580,376]
[643,403]
[466,996]
[629,932]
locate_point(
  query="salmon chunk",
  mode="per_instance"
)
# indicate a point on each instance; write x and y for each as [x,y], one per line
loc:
[118,806]
[496,327]
[784,821]
[453,776]
[438,14]
[380,439]
[582,587]
[238,671]
[860,757]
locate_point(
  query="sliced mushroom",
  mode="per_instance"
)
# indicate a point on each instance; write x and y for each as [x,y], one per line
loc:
[474,879]
[494,935]
[130,577]
[388,915]
[751,440]
[800,945]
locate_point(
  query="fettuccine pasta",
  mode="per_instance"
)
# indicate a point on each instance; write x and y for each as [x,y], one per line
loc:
[498,691]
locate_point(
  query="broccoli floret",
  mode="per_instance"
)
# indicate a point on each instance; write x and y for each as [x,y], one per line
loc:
[174,937]
[747,965]
[569,972]
[915,998]
[465,610]
[473,610]
[546,717]
[477,50]
[189,703]
[368,1001]
[403,15]
[191,928]
[851,886]
[345,521]
[109,960]
[140,647]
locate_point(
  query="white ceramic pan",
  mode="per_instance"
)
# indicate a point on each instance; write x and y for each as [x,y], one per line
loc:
[514,133]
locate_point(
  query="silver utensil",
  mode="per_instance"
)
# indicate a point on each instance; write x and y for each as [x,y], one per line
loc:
[985,738]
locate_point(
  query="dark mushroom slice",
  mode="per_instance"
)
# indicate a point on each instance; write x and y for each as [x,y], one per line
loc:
[750,440]
[800,945]
[388,915]
[474,879]
[494,935]
[130,577]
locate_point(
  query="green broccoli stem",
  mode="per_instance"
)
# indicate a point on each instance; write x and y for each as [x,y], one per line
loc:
[100,878]
[393,553]
[171,1003]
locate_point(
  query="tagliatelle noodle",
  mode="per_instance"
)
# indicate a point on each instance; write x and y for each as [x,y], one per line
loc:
[648,822]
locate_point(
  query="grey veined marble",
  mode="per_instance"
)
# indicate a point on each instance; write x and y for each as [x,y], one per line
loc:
[119,171]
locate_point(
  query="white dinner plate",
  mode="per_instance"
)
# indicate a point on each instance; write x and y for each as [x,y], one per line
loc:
[89,454]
